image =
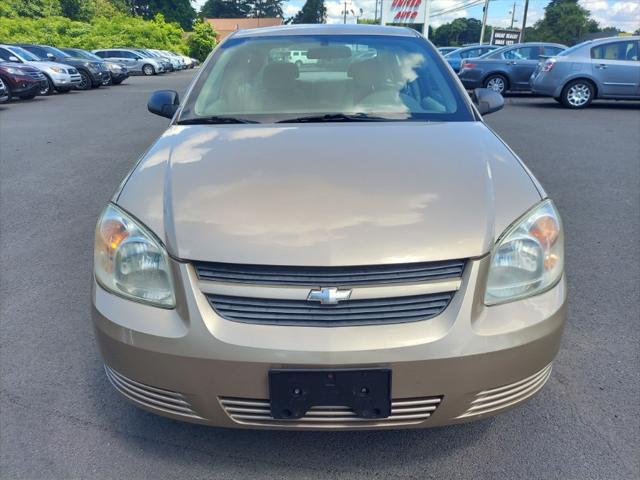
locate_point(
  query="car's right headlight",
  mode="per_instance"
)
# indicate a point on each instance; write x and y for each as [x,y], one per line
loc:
[528,259]
[15,71]
[130,261]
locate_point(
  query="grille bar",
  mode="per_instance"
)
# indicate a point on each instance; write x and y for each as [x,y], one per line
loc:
[350,312]
[258,412]
[498,398]
[335,276]
[151,397]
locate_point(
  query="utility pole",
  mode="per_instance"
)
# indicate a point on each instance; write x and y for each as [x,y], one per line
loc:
[345,12]
[513,14]
[485,11]
[427,15]
[524,20]
[375,15]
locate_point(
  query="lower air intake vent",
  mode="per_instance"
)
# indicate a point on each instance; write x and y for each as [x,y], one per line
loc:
[488,401]
[150,397]
[409,411]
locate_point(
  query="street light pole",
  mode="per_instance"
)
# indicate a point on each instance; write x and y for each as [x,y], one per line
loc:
[513,14]
[524,20]
[484,20]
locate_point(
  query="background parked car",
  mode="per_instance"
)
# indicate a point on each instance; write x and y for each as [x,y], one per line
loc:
[508,68]
[173,56]
[166,64]
[22,81]
[445,50]
[118,72]
[604,68]
[472,51]
[135,61]
[93,73]
[60,77]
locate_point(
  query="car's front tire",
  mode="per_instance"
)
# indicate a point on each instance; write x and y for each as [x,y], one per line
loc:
[85,81]
[48,89]
[148,69]
[497,83]
[578,94]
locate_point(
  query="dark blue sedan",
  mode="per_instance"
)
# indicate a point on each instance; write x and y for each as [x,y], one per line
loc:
[471,51]
[507,68]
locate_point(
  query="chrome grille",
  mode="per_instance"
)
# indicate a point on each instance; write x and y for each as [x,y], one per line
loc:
[255,412]
[72,71]
[35,74]
[498,398]
[349,312]
[151,397]
[335,276]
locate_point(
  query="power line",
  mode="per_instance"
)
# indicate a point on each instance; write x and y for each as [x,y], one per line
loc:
[473,3]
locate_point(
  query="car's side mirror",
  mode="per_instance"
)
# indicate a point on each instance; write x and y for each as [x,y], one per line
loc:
[487,100]
[51,56]
[14,59]
[164,103]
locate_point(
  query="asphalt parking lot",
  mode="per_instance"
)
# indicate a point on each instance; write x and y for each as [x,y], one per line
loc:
[61,157]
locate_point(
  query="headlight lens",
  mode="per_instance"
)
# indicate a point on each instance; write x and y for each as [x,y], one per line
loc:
[529,258]
[57,69]
[15,71]
[130,261]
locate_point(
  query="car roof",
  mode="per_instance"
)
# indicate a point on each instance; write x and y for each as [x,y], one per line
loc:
[600,41]
[334,29]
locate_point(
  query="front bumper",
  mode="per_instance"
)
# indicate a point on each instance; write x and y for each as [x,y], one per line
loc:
[469,362]
[65,80]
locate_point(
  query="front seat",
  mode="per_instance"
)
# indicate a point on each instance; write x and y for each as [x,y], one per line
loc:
[281,90]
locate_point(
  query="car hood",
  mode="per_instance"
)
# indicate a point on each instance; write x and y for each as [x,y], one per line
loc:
[329,194]
[45,64]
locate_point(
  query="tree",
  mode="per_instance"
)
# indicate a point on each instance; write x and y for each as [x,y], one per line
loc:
[225,9]
[202,40]
[458,32]
[179,11]
[313,11]
[564,21]
[266,8]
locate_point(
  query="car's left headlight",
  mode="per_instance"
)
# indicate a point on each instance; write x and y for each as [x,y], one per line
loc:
[528,259]
[130,261]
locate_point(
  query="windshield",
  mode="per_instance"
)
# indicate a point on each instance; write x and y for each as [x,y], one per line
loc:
[83,54]
[56,52]
[325,78]
[23,54]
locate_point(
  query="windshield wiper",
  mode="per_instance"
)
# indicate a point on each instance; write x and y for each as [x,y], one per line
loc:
[214,120]
[337,117]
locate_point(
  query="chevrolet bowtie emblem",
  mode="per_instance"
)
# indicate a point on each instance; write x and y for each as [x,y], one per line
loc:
[328,295]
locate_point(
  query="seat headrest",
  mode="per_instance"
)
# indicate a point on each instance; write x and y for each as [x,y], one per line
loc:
[280,75]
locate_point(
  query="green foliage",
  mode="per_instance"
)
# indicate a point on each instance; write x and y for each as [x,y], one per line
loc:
[202,40]
[179,11]
[241,8]
[313,11]
[101,32]
[225,9]
[458,32]
[564,21]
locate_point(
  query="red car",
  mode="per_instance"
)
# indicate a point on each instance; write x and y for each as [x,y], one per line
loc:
[22,81]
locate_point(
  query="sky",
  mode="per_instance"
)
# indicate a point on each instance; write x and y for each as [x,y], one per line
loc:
[624,14]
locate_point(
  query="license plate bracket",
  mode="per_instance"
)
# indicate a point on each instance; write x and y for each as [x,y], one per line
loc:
[294,391]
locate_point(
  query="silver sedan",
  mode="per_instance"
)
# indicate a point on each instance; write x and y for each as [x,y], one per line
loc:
[606,68]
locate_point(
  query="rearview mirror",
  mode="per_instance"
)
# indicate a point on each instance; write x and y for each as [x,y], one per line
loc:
[487,100]
[164,103]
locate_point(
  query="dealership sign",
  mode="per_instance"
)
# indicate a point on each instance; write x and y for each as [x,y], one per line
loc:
[503,36]
[403,11]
